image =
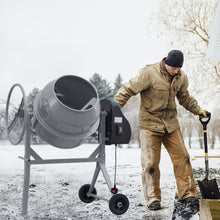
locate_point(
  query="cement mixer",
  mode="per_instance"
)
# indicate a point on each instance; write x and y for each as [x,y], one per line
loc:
[67,111]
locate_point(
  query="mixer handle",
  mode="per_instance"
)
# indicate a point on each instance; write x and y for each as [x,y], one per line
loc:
[22,113]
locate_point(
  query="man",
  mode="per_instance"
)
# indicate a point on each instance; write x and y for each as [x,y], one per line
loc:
[158,85]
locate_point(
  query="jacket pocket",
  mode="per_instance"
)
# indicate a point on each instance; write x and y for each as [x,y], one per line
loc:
[160,96]
[160,91]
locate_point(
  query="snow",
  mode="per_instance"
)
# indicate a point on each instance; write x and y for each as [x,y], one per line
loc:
[54,188]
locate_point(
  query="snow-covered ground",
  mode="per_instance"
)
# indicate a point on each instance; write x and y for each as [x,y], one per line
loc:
[54,188]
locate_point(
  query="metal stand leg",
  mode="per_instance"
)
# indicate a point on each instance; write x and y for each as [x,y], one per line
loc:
[102,150]
[106,176]
[25,188]
[95,176]
[27,168]
[100,166]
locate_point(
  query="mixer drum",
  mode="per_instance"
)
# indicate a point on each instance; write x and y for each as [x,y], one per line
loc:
[66,111]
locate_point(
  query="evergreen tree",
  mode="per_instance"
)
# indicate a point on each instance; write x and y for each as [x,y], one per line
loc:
[104,91]
[2,122]
[30,105]
[103,88]
[30,100]
[117,84]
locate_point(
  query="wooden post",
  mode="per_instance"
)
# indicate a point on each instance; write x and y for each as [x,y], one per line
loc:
[209,209]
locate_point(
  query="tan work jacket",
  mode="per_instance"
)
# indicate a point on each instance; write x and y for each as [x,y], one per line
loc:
[158,108]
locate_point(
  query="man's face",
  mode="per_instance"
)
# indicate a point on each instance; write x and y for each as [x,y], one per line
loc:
[172,70]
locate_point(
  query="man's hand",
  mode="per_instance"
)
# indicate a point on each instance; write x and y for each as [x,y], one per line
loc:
[202,113]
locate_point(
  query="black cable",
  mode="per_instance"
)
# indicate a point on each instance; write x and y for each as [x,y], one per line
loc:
[115,165]
[114,190]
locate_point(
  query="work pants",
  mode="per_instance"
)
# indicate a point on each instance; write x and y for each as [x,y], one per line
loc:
[150,158]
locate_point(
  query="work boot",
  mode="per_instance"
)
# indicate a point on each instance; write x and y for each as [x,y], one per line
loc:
[154,205]
[185,208]
[191,200]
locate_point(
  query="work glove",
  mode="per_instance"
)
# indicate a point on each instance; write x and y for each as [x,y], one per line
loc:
[202,113]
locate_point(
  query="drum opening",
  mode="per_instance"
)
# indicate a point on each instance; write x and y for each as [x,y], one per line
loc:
[75,92]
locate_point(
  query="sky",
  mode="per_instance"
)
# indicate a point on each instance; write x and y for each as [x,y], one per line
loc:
[42,40]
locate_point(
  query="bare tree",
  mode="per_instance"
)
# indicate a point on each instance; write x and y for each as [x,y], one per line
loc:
[187,25]
[187,121]
[212,138]
[131,110]
[190,131]
[214,128]
[199,130]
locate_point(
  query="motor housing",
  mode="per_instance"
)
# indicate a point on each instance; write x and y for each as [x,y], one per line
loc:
[118,130]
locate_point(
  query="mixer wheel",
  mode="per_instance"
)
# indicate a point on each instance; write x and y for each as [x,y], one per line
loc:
[118,204]
[83,193]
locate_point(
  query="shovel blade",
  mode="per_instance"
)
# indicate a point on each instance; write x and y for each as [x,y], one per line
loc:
[209,189]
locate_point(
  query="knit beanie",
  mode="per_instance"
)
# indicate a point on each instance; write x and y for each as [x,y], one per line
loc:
[174,58]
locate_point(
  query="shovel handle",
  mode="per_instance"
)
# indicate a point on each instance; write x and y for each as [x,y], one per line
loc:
[205,122]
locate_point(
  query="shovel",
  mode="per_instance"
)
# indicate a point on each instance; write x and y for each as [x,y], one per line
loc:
[208,188]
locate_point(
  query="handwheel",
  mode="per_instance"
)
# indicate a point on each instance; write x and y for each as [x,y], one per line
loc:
[16,120]
[118,204]
[83,193]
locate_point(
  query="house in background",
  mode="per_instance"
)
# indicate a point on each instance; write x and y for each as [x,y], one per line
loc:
[213,52]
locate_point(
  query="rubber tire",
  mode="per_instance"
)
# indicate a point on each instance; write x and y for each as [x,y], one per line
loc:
[118,204]
[83,193]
